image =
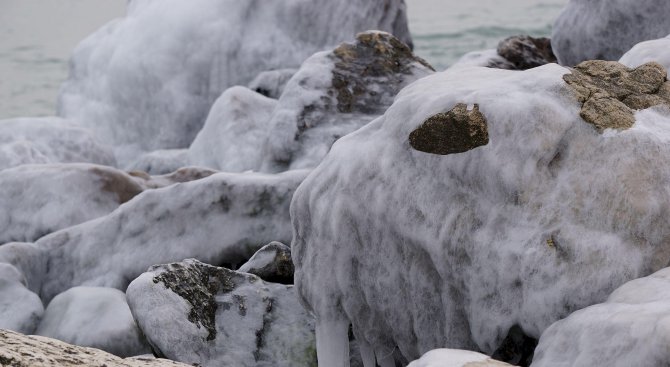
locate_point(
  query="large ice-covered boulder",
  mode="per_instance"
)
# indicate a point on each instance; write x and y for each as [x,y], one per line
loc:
[20,308]
[648,51]
[630,329]
[332,94]
[482,203]
[200,314]
[606,29]
[49,140]
[147,81]
[94,317]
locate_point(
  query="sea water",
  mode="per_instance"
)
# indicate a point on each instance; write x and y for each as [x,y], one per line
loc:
[37,37]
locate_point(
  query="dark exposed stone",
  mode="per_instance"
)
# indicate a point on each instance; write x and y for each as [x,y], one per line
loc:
[526,52]
[517,348]
[271,263]
[611,92]
[456,131]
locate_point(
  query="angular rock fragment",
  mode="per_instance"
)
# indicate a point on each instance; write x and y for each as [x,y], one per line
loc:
[271,263]
[526,52]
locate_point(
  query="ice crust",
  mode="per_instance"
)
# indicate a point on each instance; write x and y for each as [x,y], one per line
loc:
[20,308]
[147,81]
[422,251]
[455,358]
[655,50]
[94,317]
[606,29]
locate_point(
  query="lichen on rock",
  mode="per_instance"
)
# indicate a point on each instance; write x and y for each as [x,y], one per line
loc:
[457,131]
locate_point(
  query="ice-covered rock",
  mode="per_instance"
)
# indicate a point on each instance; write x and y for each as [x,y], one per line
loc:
[143,94]
[606,29]
[17,350]
[272,83]
[526,52]
[485,58]
[20,309]
[94,317]
[161,162]
[332,94]
[223,218]
[39,199]
[49,140]
[455,358]
[182,175]
[197,313]
[648,51]
[421,251]
[632,328]
[271,263]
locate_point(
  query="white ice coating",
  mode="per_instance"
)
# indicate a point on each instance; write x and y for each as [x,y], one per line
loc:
[49,140]
[484,58]
[94,317]
[39,199]
[655,50]
[606,29]
[455,358]
[148,80]
[272,83]
[632,328]
[423,251]
[20,308]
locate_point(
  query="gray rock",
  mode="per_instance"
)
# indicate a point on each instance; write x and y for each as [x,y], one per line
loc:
[271,263]
[526,52]
[197,313]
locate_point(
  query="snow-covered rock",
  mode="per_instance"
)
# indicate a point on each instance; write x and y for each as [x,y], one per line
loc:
[49,140]
[512,53]
[197,313]
[655,50]
[271,263]
[160,162]
[223,218]
[147,81]
[94,317]
[485,58]
[272,83]
[455,358]
[423,251]
[20,309]
[19,350]
[606,29]
[182,175]
[39,199]
[632,328]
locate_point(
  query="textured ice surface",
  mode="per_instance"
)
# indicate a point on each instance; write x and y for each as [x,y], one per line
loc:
[631,329]
[272,83]
[606,29]
[424,251]
[49,140]
[160,162]
[147,81]
[196,313]
[484,58]
[39,199]
[20,309]
[223,218]
[94,317]
[455,358]
[655,50]
[271,263]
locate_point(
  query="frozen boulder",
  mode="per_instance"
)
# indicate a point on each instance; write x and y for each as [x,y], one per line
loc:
[426,251]
[160,162]
[648,51]
[49,140]
[223,218]
[39,199]
[456,358]
[485,58]
[17,350]
[512,53]
[630,329]
[332,94]
[271,263]
[181,175]
[20,309]
[145,95]
[606,29]
[94,317]
[200,314]
[272,83]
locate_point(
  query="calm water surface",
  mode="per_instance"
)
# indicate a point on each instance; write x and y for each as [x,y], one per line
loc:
[37,36]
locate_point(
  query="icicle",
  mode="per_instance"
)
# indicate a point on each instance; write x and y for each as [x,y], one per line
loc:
[332,343]
[367,354]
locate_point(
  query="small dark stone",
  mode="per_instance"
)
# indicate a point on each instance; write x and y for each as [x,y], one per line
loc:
[517,348]
[456,131]
[526,52]
[271,263]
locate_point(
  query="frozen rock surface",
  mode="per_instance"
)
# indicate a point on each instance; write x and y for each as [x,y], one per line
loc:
[197,313]
[526,52]
[606,29]
[49,140]
[39,199]
[431,251]
[145,95]
[655,50]
[455,358]
[272,83]
[223,218]
[94,317]
[485,58]
[332,94]
[161,162]
[20,309]
[632,328]
[271,263]
[17,350]
[181,175]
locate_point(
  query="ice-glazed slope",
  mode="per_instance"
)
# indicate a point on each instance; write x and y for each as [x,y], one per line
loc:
[655,50]
[455,358]
[631,329]
[543,217]
[147,81]
[606,29]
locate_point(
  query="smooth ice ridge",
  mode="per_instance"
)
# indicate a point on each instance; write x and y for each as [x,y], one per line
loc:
[655,50]
[455,358]
[426,251]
